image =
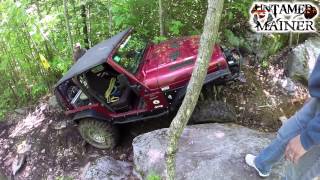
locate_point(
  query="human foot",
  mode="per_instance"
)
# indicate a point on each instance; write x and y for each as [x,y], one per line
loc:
[250,161]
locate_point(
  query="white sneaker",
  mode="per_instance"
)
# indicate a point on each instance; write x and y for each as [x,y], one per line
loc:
[250,161]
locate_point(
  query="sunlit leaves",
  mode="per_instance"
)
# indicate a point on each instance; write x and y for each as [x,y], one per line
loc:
[44,62]
[175,27]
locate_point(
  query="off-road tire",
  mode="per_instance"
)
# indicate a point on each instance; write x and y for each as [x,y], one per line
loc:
[99,134]
[210,111]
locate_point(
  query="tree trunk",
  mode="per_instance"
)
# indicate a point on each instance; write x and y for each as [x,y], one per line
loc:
[298,39]
[161,18]
[290,39]
[85,27]
[110,16]
[75,15]
[38,9]
[89,25]
[207,41]
[66,16]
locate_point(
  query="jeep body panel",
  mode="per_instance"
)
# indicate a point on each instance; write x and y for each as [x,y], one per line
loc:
[160,81]
[169,65]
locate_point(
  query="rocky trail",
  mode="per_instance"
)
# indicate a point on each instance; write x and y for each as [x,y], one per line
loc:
[41,143]
[48,144]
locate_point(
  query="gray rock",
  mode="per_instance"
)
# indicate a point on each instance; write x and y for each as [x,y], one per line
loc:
[106,168]
[288,85]
[18,163]
[206,151]
[60,125]
[302,59]
[21,111]
[53,102]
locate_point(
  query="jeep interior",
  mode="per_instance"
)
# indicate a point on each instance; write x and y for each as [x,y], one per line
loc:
[80,99]
[72,94]
[112,87]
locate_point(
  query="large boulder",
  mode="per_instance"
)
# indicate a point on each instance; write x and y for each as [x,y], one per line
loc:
[107,168]
[206,151]
[302,59]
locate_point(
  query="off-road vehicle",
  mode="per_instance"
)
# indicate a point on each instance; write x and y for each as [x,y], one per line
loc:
[123,80]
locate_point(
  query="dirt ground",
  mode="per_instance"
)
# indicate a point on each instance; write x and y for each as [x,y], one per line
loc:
[52,146]
[53,149]
[262,99]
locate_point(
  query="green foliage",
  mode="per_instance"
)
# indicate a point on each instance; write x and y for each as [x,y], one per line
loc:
[264,64]
[175,27]
[35,50]
[64,178]
[234,25]
[130,53]
[270,45]
[273,43]
[236,15]
[232,39]
[153,176]
[158,39]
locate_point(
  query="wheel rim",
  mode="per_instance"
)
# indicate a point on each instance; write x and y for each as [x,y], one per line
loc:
[98,134]
[97,137]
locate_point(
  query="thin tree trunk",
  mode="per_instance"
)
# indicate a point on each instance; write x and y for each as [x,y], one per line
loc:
[36,56]
[110,17]
[66,16]
[38,9]
[89,25]
[161,18]
[85,27]
[16,97]
[13,81]
[47,41]
[208,39]
[290,39]
[75,15]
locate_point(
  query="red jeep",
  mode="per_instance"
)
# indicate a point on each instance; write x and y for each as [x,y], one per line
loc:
[124,79]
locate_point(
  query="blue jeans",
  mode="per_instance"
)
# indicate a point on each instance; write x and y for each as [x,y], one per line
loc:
[293,127]
[307,168]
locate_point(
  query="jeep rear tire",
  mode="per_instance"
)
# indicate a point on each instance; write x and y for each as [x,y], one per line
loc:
[210,111]
[99,134]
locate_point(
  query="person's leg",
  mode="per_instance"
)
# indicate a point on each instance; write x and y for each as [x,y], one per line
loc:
[307,168]
[274,152]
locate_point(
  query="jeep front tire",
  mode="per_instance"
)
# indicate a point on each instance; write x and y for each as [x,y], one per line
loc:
[99,134]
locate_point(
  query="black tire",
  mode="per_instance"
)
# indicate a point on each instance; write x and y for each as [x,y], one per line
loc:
[99,134]
[209,111]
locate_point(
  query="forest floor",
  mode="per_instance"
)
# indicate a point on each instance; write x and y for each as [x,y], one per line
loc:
[52,147]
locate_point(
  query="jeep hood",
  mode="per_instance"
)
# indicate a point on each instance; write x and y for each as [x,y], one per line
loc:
[170,63]
[176,50]
[95,56]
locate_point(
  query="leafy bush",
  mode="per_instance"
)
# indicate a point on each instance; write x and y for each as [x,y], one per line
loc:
[153,176]
[175,27]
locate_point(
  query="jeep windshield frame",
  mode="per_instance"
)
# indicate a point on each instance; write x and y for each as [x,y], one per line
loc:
[130,52]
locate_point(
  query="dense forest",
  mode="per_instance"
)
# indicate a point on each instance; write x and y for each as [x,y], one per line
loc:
[37,36]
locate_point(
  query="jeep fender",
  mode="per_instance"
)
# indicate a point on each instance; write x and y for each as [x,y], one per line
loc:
[209,78]
[88,114]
